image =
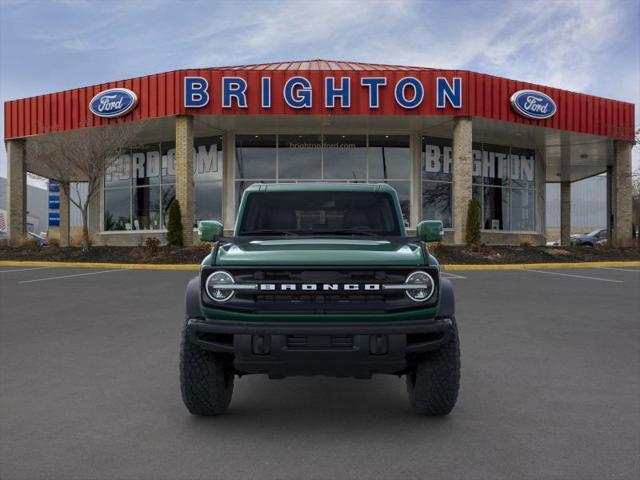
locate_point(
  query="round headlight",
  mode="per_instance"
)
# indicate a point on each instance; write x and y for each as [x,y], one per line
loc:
[215,286]
[426,286]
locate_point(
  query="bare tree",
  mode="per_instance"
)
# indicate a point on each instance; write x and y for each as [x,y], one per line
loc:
[82,156]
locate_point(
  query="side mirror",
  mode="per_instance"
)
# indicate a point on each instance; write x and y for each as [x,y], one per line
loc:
[430,230]
[210,230]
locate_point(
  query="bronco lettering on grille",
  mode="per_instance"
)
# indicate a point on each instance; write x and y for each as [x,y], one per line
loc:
[325,287]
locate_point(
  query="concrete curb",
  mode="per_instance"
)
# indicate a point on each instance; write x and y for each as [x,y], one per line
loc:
[131,266]
[193,266]
[548,266]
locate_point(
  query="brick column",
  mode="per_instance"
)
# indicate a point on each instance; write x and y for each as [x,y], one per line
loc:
[416,180]
[16,191]
[565,213]
[184,174]
[462,175]
[228,181]
[621,185]
[65,216]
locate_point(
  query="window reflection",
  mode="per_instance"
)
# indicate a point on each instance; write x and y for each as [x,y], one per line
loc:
[345,157]
[299,157]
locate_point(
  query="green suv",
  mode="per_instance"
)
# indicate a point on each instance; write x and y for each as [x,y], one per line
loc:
[319,279]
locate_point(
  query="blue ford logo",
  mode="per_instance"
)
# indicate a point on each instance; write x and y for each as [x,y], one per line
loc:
[114,102]
[533,104]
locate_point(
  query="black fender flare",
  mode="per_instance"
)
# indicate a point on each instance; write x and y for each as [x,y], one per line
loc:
[192,298]
[447,306]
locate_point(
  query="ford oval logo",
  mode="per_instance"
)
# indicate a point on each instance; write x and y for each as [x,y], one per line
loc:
[114,102]
[533,104]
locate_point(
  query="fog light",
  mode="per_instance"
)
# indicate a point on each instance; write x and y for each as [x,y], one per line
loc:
[425,286]
[219,286]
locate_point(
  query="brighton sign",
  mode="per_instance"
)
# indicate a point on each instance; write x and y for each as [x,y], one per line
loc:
[533,104]
[113,103]
[298,93]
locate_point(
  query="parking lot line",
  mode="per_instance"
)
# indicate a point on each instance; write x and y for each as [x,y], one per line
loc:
[452,275]
[70,276]
[23,269]
[637,270]
[575,276]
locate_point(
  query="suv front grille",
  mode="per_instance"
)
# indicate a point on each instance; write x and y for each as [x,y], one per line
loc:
[320,300]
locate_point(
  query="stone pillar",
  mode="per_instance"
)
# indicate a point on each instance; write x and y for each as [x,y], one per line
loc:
[184,174]
[416,180]
[65,215]
[621,183]
[462,175]
[16,191]
[565,213]
[228,181]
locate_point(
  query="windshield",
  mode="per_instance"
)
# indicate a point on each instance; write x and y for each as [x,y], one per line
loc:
[319,213]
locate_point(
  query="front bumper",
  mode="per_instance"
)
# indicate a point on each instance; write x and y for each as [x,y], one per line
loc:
[335,349]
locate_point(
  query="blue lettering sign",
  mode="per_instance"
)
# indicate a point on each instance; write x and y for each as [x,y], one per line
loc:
[195,92]
[234,87]
[444,92]
[266,92]
[54,219]
[373,84]
[401,94]
[297,92]
[331,92]
[54,187]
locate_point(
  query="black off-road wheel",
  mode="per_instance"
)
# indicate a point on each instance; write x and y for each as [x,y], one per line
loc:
[434,379]
[206,379]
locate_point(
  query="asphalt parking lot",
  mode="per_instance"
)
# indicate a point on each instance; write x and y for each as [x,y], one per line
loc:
[89,388]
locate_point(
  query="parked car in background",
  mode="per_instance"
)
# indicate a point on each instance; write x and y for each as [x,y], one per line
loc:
[591,239]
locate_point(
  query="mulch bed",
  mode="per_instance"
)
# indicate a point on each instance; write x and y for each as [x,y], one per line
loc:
[446,254]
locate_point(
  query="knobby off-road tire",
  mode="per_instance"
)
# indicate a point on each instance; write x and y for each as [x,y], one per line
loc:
[434,382]
[206,383]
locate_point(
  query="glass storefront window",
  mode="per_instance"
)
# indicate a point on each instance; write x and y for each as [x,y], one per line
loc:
[256,156]
[495,165]
[168,162]
[208,201]
[496,208]
[344,157]
[522,167]
[146,208]
[207,159]
[118,174]
[497,171]
[436,202]
[389,156]
[521,210]
[168,195]
[437,162]
[117,209]
[299,157]
[145,165]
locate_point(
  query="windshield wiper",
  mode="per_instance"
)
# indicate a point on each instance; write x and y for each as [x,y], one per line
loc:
[268,231]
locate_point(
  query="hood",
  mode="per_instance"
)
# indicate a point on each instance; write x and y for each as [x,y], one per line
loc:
[320,251]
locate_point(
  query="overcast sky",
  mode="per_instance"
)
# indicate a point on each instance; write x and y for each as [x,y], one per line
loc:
[582,45]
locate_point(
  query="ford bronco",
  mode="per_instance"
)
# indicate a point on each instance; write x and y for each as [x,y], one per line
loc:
[319,279]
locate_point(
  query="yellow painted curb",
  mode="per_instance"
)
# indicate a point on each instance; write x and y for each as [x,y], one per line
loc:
[132,266]
[525,266]
[194,266]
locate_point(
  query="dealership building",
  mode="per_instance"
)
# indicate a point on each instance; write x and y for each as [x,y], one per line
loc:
[439,137]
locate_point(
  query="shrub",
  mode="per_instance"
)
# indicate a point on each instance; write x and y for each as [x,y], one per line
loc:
[54,242]
[152,245]
[174,226]
[472,235]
